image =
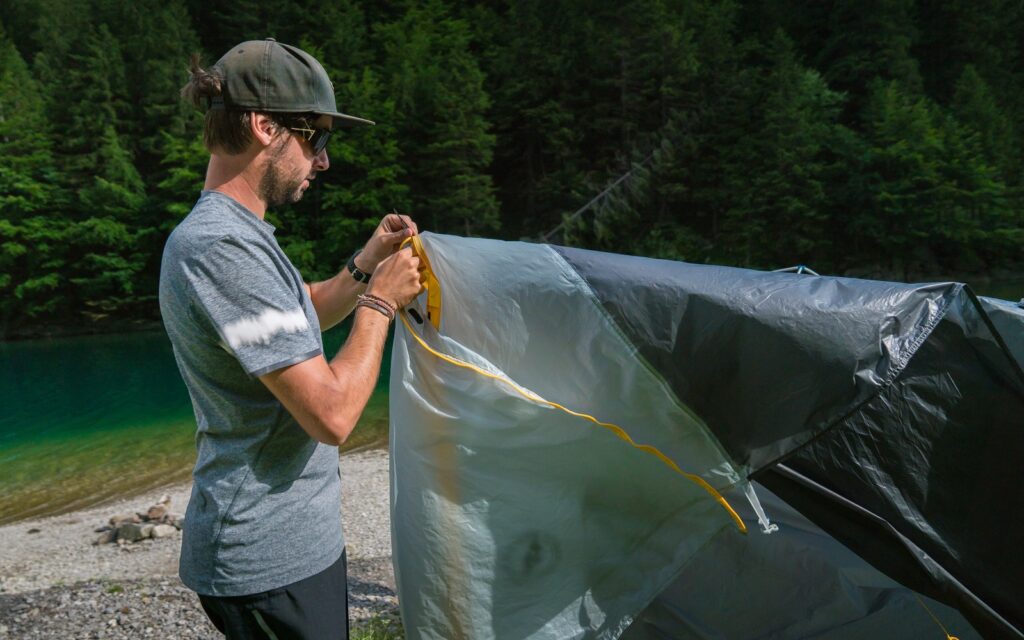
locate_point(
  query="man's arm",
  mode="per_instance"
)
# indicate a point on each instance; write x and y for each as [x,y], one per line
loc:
[334,299]
[327,399]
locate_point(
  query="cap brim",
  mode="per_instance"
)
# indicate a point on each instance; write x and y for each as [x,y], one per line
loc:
[345,120]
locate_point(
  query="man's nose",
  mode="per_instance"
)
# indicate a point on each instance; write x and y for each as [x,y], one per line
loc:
[321,162]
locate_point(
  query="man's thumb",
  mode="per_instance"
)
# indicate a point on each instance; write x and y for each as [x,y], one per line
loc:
[396,236]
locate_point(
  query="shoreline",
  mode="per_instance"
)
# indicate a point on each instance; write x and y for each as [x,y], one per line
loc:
[368,438]
[50,566]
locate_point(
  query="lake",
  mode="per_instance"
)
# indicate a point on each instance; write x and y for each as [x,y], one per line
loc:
[88,419]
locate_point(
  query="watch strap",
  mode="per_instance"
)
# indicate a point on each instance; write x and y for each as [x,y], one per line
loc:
[357,273]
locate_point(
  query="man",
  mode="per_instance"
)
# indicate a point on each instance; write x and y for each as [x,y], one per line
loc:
[262,542]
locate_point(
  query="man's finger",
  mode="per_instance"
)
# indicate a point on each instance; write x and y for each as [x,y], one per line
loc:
[396,236]
[412,225]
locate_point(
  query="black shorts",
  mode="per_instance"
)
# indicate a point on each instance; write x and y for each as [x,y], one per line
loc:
[313,608]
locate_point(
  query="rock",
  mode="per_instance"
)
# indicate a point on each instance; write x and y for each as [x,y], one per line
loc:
[108,536]
[130,532]
[34,530]
[121,518]
[147,531]
[163,531]
[156,512]
[176,520]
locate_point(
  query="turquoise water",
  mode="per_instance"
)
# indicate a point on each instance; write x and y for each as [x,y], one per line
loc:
[87,419]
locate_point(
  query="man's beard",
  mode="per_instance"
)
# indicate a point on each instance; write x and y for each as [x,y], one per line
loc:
[276,188]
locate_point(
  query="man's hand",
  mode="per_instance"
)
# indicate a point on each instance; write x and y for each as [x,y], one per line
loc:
[397,278]
[385,241]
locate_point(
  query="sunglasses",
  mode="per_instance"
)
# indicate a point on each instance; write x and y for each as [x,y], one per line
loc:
[315,136]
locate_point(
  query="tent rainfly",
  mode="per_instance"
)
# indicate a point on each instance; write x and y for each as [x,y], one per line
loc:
[590,445]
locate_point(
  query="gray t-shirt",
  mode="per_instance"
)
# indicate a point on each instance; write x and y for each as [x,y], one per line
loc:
[265,509]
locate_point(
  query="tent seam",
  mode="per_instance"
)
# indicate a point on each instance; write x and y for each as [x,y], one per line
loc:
[665,386]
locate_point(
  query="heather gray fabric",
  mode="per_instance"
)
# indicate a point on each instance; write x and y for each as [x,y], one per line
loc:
[265,509]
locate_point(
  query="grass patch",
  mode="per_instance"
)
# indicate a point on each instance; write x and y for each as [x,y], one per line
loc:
[378,628]
[115,588]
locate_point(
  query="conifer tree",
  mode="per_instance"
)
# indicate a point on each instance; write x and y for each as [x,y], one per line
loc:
[955,33]
[442,104]
[780,214]
[26,161]
[101,257]
[904,173]
[870,40]
[534,66]
[365,180]
[975,107]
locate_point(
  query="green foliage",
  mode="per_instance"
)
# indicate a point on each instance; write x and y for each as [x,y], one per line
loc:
[441,105]
[881,137]
[975,107]
[366,180]
[783,211]
[377,628]
[26,161]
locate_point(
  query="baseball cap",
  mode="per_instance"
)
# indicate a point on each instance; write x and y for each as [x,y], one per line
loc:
[273,77]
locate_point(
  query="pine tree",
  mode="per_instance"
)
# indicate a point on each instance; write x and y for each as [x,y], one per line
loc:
[96,83]
[222,24]
[869,40]
[975,107]
[365,179]
[780,214]
[442,103]
[31,264]
[904,170]
[982,33]
[534,65]
[26,161]
[97,266]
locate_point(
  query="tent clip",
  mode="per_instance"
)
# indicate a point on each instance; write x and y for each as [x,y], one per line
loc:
[762,519]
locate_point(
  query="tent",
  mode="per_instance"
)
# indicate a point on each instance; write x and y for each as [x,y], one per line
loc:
[589,445]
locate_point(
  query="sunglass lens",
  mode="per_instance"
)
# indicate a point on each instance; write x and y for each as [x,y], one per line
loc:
[320,139]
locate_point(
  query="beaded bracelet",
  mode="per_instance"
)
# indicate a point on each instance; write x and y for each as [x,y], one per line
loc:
[365,302]
[379,300]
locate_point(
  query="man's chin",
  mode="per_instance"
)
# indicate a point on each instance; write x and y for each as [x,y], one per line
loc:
[301,190]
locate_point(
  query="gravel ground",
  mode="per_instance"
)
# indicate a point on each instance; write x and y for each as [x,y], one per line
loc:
[54,583]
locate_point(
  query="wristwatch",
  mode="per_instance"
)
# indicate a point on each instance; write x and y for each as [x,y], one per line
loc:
[357,273]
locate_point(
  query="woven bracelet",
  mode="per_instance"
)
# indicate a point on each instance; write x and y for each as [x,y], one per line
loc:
[379,300]
[377,307]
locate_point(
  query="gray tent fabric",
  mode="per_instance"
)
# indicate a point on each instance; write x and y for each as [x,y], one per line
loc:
[919,457]
[581,429]
[796,583]
[1008,319]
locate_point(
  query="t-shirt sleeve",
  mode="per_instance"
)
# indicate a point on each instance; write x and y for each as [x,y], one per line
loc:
[242,292]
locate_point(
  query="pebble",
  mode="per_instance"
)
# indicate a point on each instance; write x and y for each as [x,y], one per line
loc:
[57,584]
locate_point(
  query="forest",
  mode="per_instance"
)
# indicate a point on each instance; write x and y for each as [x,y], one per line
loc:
[879,138]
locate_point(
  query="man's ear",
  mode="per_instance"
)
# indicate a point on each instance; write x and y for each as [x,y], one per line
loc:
[263,128]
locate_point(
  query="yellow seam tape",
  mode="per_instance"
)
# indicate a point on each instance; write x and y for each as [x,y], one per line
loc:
[619,431]
[929,612]
[432,286]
